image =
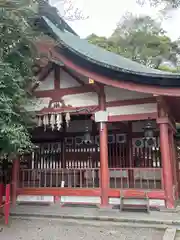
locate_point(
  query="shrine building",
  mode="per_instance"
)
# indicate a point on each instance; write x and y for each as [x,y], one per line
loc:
[106,125]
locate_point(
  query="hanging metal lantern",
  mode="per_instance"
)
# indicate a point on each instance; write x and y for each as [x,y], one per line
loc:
[148,130]
[87,137]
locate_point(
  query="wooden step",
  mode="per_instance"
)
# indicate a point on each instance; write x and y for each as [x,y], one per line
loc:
[135,195]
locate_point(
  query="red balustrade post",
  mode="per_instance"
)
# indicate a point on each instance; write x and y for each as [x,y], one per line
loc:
[15,178]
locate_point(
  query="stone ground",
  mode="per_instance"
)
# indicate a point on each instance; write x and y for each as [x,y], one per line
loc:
[87,213]
[46,229]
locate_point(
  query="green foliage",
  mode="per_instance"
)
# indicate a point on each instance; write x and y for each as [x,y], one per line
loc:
[16,61]
[141,39]
[104,43]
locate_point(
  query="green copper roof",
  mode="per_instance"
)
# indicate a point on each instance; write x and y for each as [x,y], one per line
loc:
[102,57]
[45,9]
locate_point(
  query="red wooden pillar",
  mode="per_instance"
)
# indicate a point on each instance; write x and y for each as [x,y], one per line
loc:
[174,162]
[166,164]
[15,178]
[104,171]
[177,167]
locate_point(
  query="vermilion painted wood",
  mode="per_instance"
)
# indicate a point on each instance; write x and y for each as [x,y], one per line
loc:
[43,74]
[154,194]
[166,162]
[59,191]
[115,118]
[57,71]
[127,102]
[48,48]
[166,120]
[133,193]
[132,117]
[104,170]
[115,103]
[69,108]
[116,83]
[173,161]
[58,93]
[114,193]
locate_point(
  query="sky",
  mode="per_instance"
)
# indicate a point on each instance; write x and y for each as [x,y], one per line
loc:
[103,16]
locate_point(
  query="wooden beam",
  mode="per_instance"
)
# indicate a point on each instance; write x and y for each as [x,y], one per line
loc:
[116,193]
[57,72]
[56,94]
[132,117]
[45,72]
[93,108]
[152,194]
[116,103]
[60,191]
[128,102]
[42,75]
[75,110]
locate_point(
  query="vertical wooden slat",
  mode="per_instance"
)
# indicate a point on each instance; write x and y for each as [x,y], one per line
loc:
[40,172]
[29,179]
[118,158]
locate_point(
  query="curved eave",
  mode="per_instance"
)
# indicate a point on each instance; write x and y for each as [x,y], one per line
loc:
[119,75]
[112,64]
[156,90]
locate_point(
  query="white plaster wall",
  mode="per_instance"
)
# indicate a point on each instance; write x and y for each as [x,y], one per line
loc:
[133,109]
[113,94]
[66,81]
[32,198]
[47,84]
[83,99]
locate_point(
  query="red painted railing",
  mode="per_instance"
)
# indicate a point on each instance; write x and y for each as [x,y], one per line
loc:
[69,177]
[5,204]
[120,178]
[137,178]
